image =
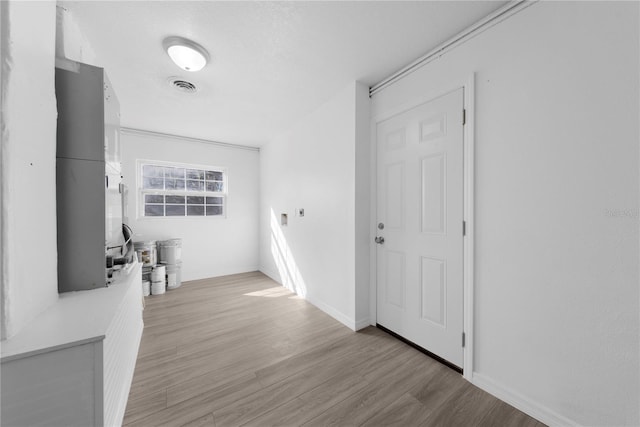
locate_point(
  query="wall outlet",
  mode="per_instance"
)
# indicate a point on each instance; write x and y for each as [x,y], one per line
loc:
[301,212]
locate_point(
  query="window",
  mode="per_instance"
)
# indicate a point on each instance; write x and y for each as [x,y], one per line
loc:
[170,190]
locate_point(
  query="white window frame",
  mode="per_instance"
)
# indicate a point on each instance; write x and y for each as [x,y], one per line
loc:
[141,192]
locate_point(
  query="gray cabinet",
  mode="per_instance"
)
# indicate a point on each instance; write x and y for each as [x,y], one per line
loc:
[89,203]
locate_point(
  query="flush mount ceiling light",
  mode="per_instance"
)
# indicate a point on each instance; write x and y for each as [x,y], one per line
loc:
[188,55]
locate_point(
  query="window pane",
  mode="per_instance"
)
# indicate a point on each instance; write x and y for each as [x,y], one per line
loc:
[195,200]
[195,174]
[175,184]
[195,185]
[214,186]
[165,188]
[195,210]
[153,171]
[153,183]
[153,198]
[175,210]
[214,200]
[174,172]
[214,176]
[153,210]
[176,200]
[214,210]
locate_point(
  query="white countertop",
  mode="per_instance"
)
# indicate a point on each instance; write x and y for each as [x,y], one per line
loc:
[76,318]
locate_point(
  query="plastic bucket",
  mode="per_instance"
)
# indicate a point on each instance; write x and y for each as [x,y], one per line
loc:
[146,288]
[179,273]
[146,252]
[178,245]
[170,251]
[158,273]
[158,288]
[171,279]
[174,275]
[168,254]
[146,273]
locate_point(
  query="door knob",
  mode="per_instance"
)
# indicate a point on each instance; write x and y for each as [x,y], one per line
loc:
[379,240]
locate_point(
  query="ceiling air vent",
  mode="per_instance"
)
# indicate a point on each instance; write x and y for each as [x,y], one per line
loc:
[182,85]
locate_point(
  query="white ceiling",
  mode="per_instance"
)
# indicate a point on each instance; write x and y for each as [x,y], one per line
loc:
[272,62]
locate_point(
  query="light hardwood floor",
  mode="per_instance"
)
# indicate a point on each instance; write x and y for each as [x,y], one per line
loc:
[241,350]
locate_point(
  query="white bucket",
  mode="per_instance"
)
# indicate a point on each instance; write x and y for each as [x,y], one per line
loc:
[179,273]
[174,275]
[170,251]
[171,280]
[146,288]
[146,252]
[178,245]
[158,288]
[168,254]
[158,273]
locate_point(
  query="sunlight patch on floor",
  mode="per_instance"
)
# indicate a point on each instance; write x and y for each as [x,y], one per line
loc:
[278,291]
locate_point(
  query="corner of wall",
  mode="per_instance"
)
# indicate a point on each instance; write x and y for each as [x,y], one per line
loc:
[362,202]
[28,168]
[4,70]
[271,274]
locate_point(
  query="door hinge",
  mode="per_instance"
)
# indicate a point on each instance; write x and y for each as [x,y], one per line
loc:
[463,339]
[464,117]
[106,181]
[464,228]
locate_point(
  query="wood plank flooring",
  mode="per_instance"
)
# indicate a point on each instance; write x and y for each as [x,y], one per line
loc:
[241,350]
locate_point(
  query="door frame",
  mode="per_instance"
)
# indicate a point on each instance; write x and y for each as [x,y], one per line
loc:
[468,155]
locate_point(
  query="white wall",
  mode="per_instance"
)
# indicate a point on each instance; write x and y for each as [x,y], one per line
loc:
[210,246]
[28,177]
[313,166]
[363,176]
[557,172]
[70,42]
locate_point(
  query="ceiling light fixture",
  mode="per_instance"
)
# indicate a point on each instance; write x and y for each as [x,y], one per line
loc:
[188,55]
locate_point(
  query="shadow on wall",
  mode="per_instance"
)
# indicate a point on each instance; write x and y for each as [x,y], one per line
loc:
[287,268]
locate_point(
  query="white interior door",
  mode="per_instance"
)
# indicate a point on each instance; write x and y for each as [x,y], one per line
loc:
[420,207]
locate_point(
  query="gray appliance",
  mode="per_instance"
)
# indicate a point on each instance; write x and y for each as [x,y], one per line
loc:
[88,173]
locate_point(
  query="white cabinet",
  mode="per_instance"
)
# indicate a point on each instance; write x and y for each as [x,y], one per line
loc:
[73,365]
[61,387]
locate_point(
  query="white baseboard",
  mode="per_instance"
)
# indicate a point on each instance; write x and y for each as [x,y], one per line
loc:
[362,323]
[523,403]
[271,274]
[339,316]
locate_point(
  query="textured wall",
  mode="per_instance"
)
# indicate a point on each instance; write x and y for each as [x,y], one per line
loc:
[28,276]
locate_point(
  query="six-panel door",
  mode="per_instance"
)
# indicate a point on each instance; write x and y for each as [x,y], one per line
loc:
[420,203]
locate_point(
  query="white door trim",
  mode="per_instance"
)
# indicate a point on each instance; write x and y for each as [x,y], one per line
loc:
[469,217]
[469,197]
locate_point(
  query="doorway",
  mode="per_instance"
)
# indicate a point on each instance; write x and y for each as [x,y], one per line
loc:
[420,226]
